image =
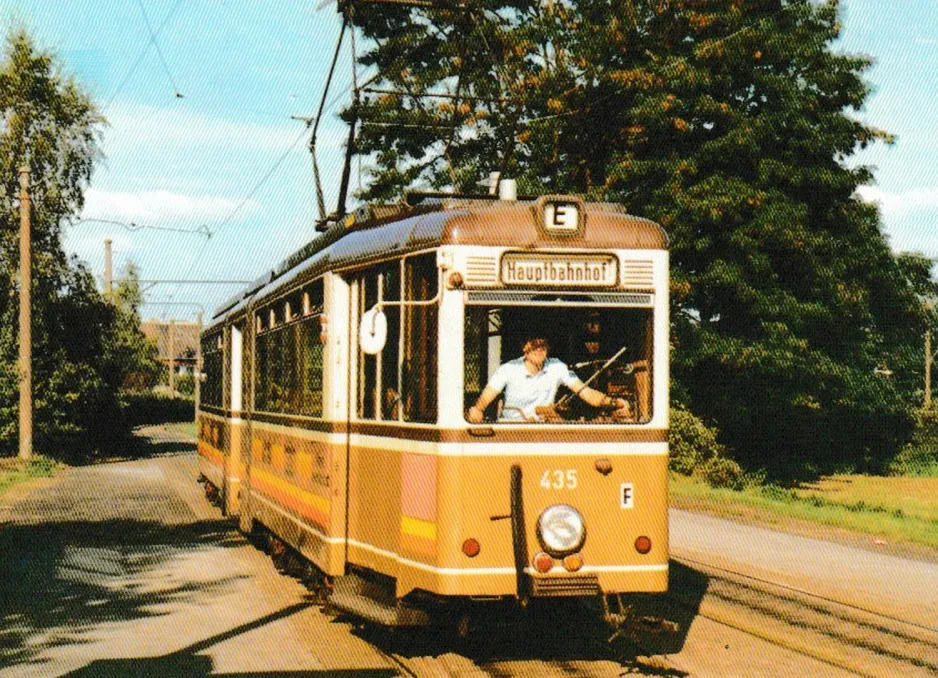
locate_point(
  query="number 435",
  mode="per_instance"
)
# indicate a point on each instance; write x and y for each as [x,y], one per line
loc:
[559,479]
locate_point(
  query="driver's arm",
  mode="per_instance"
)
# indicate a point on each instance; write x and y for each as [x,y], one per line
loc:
[597,398]
[477,411]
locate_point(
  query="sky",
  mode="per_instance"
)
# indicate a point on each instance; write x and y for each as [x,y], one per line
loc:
[207,135]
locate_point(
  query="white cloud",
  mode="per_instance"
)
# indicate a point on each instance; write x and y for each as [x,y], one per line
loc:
[901,203]
[182,126]
[157,208]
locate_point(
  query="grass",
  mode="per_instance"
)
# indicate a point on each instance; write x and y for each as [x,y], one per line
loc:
[894,510]
[186,428]
[921,470]
[15,471]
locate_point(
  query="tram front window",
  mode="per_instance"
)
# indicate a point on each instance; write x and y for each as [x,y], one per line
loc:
[608,349]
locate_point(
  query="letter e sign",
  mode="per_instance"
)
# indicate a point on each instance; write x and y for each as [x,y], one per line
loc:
[560,216]
[626,496]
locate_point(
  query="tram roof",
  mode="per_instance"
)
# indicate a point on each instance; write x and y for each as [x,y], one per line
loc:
[373,233]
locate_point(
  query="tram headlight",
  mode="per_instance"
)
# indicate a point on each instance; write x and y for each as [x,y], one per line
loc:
[561,530]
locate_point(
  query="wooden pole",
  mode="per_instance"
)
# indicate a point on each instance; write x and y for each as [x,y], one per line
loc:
[26,329]
[197,372]
[108,272]
[172,360]
[928,358]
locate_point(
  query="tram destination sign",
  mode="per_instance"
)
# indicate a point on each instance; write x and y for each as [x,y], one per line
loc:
[557,270]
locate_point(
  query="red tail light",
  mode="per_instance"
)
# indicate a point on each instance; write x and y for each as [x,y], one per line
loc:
[471,548]
[543,562]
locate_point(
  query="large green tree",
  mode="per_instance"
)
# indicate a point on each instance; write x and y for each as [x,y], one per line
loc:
[129,354]
[52,127]
[728,122]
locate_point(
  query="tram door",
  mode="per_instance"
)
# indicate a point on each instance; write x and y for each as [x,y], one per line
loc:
[393,390]
[233,464]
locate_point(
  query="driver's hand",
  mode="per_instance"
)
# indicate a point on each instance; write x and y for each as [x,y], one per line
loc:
[475,415]
[623,410]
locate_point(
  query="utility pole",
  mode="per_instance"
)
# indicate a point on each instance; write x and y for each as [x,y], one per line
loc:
[26,328]
[108,272]
[197,372]
[928,359]
[172,360]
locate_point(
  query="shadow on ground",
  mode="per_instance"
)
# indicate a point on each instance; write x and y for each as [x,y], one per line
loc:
[144,442]
[59,579]
[188,663]
[560,631]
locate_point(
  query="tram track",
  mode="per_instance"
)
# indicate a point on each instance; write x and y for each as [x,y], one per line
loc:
[819,628]
[847,638]
[518,647]
[834,632]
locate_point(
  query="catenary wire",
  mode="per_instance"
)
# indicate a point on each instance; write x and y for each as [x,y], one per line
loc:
[142,54]
[133,226]
[224,222]
[156,45]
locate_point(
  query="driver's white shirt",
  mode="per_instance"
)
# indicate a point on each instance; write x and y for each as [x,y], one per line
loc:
[525,391]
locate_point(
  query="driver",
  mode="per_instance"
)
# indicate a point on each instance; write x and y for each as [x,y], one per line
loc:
[531,381]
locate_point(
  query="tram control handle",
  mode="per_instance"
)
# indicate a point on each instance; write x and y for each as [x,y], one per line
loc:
[562,403]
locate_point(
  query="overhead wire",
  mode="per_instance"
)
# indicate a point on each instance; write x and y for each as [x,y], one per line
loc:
[224,222]
[502,71]
[159,52]
[143,53]
[133,226]
[328,106]
[204,229]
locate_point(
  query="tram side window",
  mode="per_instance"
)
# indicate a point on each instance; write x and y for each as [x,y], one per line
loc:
[310,367]
[288,361]
[584,338]
[246,373]
[379,378]
[261,380]
[399,383]
[419,366]
[212,359]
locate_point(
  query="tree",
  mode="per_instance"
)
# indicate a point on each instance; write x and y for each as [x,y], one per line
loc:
[52,127]
[724,120]
[455,82]
[789,297]
[132,358]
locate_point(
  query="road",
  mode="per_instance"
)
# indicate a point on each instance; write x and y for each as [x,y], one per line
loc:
[124,569]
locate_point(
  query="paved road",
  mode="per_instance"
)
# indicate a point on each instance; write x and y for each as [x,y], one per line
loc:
[123,569]
[853,611]
[898,587]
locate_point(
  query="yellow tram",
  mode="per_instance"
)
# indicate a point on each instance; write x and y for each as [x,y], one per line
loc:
[338,390]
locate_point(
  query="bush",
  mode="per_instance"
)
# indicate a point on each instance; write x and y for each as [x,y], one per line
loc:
[920,455]
[694,450]
[152,408]
[185,384]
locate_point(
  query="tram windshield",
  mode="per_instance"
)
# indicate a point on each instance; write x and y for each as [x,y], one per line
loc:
[607,347]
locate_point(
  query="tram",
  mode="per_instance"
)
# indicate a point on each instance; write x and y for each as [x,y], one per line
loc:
[337,393]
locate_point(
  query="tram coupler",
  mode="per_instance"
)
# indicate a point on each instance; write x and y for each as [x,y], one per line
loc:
[623,621]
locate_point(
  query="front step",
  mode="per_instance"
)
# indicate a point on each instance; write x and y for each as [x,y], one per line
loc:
[374,602]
